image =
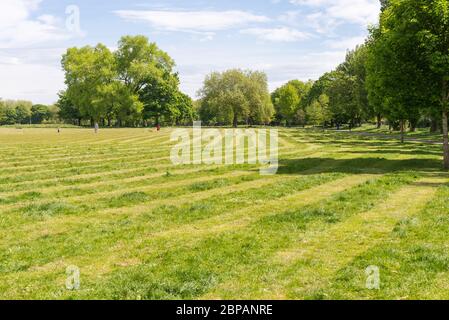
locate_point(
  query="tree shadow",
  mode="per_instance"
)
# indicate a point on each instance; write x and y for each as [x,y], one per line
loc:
[358,165]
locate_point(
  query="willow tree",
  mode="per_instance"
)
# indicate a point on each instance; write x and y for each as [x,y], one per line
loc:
[235,96]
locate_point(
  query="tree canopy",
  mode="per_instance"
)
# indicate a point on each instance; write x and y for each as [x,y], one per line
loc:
[134,84]
[234,97]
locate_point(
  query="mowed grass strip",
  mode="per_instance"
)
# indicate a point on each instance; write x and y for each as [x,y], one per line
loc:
[203,227]
[184,214]
[261,278]
[217,258]
[413,260]
[195,231]
[46,211]
[319,255]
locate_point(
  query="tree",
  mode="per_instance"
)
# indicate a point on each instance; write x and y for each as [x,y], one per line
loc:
[12,111]
[355,68]
[287,102]
[23,111]
[235,96]
[138,60]
[186,109]
[129,85]
[289,99]
[67,110]
[39,113]
[146,70]
[410,56]
[160,99]
[318,112]
[88,73]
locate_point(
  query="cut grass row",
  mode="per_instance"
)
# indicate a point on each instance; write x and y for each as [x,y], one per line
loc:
[221,232]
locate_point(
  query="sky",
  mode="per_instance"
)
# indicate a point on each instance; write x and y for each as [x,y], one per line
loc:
[288,39]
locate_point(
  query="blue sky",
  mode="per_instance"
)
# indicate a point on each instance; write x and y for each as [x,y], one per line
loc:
[288,39]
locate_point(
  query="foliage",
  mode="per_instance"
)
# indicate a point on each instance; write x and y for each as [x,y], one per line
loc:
[236,96]
[131,85]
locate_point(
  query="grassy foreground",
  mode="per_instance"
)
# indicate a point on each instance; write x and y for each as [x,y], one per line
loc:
[138,227]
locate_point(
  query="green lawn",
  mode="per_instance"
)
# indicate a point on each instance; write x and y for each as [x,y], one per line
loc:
[138,227]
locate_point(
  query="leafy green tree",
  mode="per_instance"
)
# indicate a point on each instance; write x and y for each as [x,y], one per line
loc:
[408,61]
[39,113]
[236,96]
[160,100]
[186,109]
[23,111]
[88,73]
[287,103]
[289,99]
[138,60]
[12,111]
[318,112]
[67,110]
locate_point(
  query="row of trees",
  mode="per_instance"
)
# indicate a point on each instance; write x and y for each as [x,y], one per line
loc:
[408,63]
[24,112]
[130,86]
[401,75]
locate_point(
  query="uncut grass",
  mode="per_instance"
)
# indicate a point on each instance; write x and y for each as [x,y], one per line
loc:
[413,261]
[188,273]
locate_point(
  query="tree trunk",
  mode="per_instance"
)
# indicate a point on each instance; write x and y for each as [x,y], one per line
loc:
[445,139]
[444,105]
[235,122]
[402,131]
[434,125]
[413,124]
[379,121]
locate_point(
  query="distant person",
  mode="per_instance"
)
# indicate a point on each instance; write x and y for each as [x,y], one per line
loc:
[158,127]
[59,130]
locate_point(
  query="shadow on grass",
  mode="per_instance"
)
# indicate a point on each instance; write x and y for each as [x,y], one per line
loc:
[358,165]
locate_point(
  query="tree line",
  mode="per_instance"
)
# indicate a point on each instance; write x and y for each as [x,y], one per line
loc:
[24,112]
[399,76]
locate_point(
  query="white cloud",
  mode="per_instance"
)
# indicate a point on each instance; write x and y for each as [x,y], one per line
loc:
[346,43]
[202,22]
[19,29]
[281,34]
[331,13]
[28,72]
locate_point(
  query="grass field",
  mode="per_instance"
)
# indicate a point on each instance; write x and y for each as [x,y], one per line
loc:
[138,227]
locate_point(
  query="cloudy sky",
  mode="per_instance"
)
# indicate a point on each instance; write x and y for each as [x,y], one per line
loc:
[288,39]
